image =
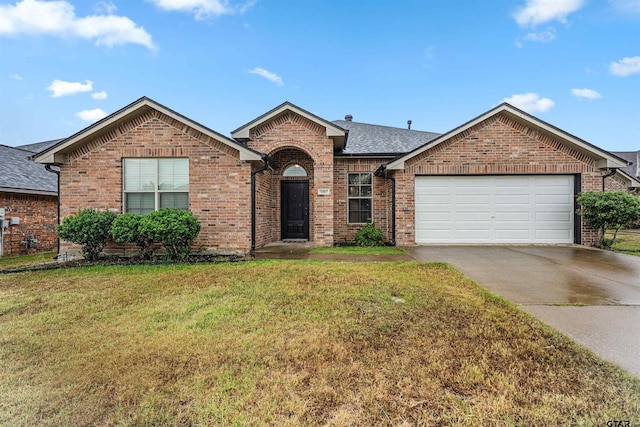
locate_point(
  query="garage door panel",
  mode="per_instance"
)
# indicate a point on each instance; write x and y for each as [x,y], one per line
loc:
[473,234]
[512,199]
[473,216]
[471,199]
[558,216]
[513,216]
[500,209]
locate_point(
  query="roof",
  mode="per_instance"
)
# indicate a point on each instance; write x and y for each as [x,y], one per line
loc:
[39,146]
[603,158]
[370,139]
[333,131]
[58,153]
[632,157]
[21,175]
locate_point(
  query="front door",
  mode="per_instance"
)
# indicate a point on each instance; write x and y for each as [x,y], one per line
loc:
[295,210]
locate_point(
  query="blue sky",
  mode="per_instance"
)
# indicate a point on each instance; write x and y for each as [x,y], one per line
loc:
[440,63]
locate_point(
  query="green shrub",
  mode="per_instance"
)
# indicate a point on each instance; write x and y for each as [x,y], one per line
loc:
[126,229]
[609,210]
[89,228]
[176,229]
[369,235]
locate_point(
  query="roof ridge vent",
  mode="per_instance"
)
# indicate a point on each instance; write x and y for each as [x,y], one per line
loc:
[348,117]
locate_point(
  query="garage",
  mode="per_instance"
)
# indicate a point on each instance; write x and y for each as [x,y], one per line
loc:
[494,209]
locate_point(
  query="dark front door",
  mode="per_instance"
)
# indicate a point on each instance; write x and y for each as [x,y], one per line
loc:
[295,209]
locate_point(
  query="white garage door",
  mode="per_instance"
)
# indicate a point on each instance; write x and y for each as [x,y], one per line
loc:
[494,209]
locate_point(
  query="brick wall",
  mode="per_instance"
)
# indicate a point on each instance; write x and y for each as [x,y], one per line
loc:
[219,183]
[38,217]
[498,145]
[343,231]
[306,141]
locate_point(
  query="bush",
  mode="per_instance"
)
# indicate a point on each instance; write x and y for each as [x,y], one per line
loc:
[369,235]
[126,229]
[609,210]
[89,228]
[176,229]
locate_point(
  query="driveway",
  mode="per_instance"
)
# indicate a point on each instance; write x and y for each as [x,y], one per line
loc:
[591,296]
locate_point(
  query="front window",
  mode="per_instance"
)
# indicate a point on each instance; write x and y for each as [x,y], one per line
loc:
[360,194]
[151,184]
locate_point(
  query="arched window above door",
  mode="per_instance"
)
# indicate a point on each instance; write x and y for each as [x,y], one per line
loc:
[294,170]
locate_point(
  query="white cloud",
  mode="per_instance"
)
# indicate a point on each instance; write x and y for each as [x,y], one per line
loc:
[626,66]
[626,6]
[105,7]
[586,93]
[60,88]
[530,102]
[92,115]
[272,77]
[536,12]
[203,9]
[99,95]
[16,77]
[543,37]
[58,18]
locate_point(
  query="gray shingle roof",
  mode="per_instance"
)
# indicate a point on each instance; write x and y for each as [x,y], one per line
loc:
[19,172]
[39,146]
[375,139]
[633,157]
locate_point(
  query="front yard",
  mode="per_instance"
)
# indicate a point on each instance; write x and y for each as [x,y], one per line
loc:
[627,242]
[289,343]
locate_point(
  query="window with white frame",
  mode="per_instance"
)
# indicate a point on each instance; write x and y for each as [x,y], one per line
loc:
[151,184]
[360,195]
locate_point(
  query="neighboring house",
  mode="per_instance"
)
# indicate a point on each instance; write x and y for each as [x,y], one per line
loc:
[29,200]
[633,170]
[503,177]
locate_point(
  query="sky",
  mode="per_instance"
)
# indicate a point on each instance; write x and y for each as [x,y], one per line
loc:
[573,63]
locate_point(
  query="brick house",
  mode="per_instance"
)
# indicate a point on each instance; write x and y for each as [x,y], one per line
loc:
[503,177]
[28,200]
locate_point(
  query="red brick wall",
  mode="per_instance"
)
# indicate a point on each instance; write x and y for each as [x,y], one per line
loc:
[343,231]
[219,183]
[38,216]
[265,208]
[293,132]
[498,145]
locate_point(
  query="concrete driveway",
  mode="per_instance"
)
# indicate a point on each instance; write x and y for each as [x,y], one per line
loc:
[592,296]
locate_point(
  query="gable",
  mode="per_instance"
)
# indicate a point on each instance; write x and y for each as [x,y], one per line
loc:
[527,124]
[289,112]
[132,115]
[150,134]
[500,145]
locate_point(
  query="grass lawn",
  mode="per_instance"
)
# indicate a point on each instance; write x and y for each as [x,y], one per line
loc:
[288,343]
[358,250]
[628,241]
[18,261]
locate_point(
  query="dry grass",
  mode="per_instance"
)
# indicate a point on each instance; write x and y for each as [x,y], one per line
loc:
[288,343]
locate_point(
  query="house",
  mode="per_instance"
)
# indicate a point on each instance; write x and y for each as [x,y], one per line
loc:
[28,201]
[503,177]
[633,169]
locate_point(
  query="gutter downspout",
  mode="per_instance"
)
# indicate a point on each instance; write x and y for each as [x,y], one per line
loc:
[48,168]
[382,172]
[610,173]
[267,161]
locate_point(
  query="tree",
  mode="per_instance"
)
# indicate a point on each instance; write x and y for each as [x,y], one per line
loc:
[609,210]
[89,228]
